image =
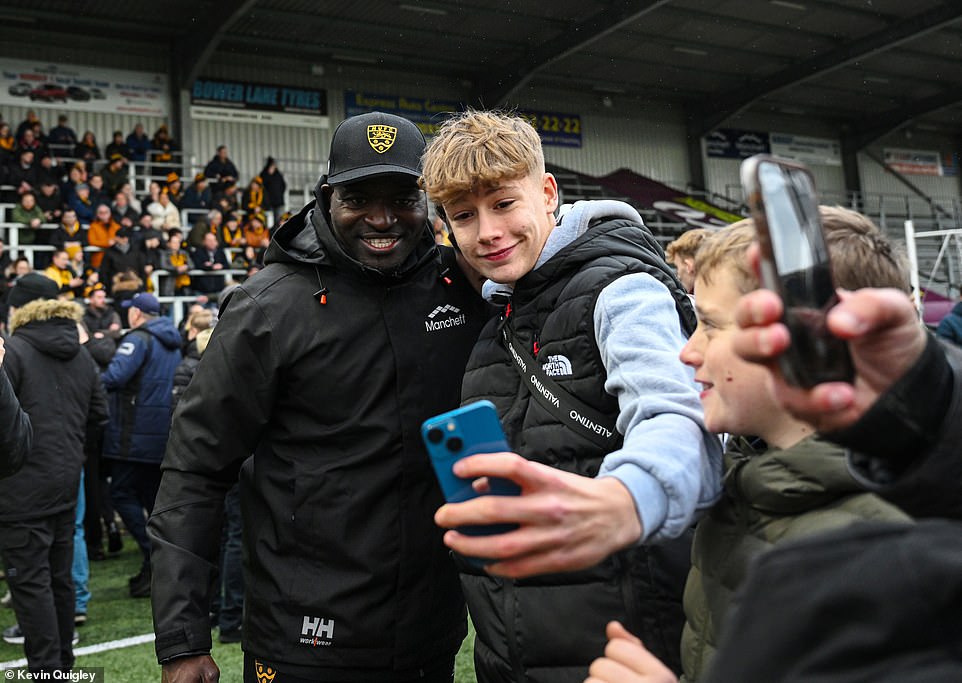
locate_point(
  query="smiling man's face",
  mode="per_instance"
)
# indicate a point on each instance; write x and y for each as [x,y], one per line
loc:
[378,221]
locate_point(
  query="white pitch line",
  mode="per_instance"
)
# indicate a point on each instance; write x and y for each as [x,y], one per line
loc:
[91,649]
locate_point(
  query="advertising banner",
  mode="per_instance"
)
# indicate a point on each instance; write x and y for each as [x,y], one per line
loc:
[555,129]
[807,150]
[913,161]
[71,87]
[426,113]
[674,204]
[246,102]
[731,143]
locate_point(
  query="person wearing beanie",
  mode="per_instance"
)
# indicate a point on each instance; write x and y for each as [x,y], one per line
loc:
[57,383]
[323,366]
[82,204]
[175,188]
[252,201]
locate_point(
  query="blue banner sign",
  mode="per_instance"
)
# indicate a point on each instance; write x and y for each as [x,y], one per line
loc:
[259,96]
[555,128]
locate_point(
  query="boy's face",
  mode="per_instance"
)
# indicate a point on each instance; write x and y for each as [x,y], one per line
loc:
[735,394]
[502,228]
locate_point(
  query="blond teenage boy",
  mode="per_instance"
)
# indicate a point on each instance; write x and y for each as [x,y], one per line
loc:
[610,448]
[781,481]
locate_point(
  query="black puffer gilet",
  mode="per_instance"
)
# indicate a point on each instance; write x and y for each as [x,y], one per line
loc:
[550,628]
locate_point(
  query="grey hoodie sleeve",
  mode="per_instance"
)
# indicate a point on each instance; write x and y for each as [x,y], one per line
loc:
[669,461]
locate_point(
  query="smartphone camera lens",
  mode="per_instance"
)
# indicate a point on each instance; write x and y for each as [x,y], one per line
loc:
[455,444]
[435,435]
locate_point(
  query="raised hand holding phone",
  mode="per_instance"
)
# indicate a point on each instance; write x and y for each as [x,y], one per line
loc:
[795,264]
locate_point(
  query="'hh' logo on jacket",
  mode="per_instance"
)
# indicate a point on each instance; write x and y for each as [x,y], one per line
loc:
[317,631]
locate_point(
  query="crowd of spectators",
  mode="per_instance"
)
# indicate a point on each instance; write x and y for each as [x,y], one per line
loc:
[95,231]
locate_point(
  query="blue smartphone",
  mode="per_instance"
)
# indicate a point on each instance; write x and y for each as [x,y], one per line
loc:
[468,430]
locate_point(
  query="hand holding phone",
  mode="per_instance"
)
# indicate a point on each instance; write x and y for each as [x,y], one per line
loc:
[795,264]
[468,430]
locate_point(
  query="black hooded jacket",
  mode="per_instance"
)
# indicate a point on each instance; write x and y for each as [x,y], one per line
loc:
[59,387]
[324,369]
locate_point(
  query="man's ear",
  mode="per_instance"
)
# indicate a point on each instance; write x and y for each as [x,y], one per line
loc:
[550,193]
[689,264]
[322,191]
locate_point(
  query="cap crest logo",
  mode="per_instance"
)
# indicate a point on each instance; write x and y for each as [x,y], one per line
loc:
[381,137]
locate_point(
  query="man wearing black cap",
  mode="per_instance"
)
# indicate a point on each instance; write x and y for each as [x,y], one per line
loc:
[323,366]
[58,386]
[139,382]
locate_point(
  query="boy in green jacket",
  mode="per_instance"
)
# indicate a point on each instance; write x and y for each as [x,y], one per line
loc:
[781,482]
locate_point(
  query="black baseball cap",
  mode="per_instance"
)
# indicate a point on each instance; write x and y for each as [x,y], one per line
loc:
[374,144]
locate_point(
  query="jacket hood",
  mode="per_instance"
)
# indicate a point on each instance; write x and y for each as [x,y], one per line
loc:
[165,332]
[809,474]
[50,326]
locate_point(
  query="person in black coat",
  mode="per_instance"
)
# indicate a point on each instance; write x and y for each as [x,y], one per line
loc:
[59,387]
[274,188]
[210,257]
[220,170]
[16,432]
[120,257]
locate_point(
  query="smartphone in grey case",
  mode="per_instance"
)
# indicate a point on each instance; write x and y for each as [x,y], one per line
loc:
[795,263]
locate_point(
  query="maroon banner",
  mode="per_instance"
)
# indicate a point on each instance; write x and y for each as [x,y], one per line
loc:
[668,201]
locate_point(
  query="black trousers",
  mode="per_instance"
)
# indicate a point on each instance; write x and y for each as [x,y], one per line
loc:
[259,671]
[37,555]
[99,513]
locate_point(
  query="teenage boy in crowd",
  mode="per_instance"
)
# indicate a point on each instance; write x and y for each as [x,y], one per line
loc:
[591,302]
[317,378]
[781,481]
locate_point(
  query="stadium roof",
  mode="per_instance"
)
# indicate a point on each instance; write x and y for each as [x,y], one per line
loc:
[870,66]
